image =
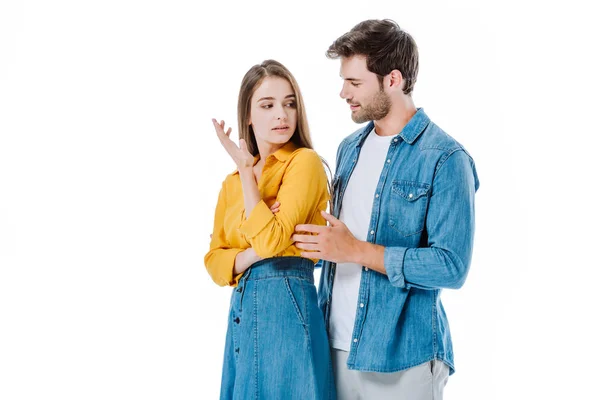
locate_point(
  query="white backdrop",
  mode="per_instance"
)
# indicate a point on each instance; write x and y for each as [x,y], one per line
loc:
[110,170]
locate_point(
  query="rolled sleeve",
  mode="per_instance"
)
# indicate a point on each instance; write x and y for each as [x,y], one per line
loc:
[220,259]
[302,194]
[450,224]
[260,216]
[393,261]
[225,276]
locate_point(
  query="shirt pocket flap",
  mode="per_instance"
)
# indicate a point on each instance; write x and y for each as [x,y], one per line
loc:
[409,190]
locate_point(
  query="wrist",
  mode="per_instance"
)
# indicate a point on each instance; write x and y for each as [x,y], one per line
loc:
[357,252]
[246,170]
[253,256]
[247,177]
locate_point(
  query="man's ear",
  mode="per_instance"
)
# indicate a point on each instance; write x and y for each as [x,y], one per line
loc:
[396,79]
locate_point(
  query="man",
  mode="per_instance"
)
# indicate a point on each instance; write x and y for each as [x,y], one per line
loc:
[404,195]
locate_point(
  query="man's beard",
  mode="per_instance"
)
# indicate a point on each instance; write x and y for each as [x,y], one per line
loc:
[377,109]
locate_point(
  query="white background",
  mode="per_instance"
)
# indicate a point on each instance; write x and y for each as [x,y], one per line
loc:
[110,170]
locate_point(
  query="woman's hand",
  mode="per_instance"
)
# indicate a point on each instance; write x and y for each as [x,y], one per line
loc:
[244,260]
[275,207]
[240,154]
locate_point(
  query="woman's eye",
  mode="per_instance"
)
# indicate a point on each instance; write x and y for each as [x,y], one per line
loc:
[267,106]
[292,105]
[355,84]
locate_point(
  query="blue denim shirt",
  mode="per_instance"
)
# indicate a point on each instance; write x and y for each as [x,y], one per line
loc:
[423,213]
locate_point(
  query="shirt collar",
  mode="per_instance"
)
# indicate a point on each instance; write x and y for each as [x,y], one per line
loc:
[282,154]
[410,133]
[413,129]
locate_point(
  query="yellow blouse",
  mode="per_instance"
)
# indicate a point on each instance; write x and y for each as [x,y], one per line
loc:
[293,176]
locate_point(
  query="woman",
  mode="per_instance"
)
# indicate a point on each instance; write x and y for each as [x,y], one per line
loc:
[276,345]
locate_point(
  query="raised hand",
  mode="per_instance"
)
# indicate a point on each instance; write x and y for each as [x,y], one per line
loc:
[240,154]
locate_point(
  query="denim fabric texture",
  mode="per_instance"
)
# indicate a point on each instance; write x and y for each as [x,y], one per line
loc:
[276,345]
[424,214]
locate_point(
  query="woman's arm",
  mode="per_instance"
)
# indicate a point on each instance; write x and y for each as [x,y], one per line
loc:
[244,260]
[224,263]
[303,194]
[221,260]
[249,188]
[244,162]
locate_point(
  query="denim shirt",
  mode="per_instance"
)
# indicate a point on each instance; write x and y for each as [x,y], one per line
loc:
[424,215]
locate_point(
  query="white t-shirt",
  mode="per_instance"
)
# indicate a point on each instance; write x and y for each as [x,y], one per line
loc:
[356,214]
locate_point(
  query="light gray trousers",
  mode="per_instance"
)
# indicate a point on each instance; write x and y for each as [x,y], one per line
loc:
[423,382]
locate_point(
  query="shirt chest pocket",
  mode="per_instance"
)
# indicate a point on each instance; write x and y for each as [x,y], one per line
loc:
[407,206]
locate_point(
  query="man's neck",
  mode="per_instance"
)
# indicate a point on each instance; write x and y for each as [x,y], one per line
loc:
[400,113]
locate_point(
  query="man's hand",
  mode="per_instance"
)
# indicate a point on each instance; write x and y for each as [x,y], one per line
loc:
[333,243]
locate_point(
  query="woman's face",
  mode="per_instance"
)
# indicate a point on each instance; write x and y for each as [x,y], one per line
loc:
[273,113]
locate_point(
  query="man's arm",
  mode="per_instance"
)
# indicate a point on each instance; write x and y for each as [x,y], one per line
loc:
[450,224]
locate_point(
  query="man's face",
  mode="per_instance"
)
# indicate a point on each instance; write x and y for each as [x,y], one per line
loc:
[368,101]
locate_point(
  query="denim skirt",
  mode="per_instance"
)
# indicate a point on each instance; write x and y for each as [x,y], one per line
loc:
[276,345]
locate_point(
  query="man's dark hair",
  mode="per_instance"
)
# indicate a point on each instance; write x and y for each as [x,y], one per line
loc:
[386,47]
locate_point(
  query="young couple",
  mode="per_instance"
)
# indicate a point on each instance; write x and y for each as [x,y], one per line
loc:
[400,230]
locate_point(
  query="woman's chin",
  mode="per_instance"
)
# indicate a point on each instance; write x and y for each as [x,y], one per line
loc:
[280,139]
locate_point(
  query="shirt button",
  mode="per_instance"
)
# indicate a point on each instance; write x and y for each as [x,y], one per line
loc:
[410,195]
[355,340]
[377,195]
[372,232]
[395,140]
[366,269]
[389,160]
[361,305]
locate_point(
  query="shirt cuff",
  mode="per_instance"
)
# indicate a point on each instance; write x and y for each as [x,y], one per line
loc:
[259,217]
[229,259]
[393,261]
[236,279]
